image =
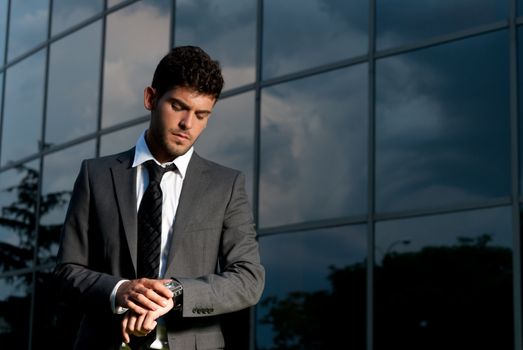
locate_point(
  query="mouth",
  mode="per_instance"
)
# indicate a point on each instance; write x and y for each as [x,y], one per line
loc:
[181,135]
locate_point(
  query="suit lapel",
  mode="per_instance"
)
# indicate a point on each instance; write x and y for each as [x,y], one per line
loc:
[195,184]
[124,180]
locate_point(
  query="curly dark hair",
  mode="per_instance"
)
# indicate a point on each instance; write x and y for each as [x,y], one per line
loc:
[189,67]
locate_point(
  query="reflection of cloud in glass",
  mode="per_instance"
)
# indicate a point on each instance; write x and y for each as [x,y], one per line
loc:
[227,33]
[67,13]
[229,136]
[442,124]
[28,25]
[403,22]
[300,262]
[23,108]
[313,148]
[137,38]
[72,103]
[302,34]
[443,230]
[121,140]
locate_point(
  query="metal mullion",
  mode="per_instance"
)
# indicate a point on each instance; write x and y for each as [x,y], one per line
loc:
[257,148]
[514,128]
[4,62]
[371,176]
[101,81]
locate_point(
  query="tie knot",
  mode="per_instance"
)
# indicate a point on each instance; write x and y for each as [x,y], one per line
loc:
[156,171]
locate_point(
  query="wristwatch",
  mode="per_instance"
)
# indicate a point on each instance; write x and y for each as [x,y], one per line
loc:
[177,289]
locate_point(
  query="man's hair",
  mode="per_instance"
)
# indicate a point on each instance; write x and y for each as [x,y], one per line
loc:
[188,67]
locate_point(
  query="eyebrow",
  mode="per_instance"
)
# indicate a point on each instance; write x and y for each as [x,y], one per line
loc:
[186,106]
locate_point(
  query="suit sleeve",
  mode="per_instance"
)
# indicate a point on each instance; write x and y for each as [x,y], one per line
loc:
[77,284]
[240,282]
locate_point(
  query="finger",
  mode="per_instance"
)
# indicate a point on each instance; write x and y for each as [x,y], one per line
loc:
[125,335]
[149,322]
[156,298]
[139,323]
[136,308]
[131,324]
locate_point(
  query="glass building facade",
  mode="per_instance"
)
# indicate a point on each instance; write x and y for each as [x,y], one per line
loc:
[382,143]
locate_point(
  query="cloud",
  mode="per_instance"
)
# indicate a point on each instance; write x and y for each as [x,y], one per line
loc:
[137,38]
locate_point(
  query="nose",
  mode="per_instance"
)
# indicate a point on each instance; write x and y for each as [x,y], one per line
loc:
[186,121]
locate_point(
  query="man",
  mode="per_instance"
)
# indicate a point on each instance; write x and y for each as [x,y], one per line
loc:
[207,263]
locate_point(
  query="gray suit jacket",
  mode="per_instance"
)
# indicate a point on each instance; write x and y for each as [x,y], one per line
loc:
[214,252]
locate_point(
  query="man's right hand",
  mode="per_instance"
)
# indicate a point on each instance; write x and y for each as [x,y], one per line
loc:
[143,295]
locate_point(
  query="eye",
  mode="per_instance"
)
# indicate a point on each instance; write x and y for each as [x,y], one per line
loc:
[176,106]
[201,116]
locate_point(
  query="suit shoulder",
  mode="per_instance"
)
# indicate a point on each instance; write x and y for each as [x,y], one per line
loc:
[219,168]
[110,160]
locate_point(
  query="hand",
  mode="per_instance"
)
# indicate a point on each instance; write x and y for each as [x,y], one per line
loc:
[141,325]
[143,295]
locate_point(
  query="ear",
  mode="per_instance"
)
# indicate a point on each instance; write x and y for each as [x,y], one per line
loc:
[149,98]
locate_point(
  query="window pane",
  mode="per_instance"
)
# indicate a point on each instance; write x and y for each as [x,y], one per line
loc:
[313,148]
[60,171]
[443,280]
[121,140]
[442,125]
[302,34]
[67,13]
[407,21]
[309,277]
[111,3]
[15,302]
[229,136]
[18,196]
[129,67]
[22,127]
[27,25]
[3,24]
[228,34]
[72,97]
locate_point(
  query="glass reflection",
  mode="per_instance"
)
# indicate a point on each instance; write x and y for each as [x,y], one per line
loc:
[129,67]
[67,13]
[313,148]
[15,303]
[443,280]
[406,21]
[27,25]
[302,34]
[228,34]
[22,124]
[229,136]
[54,324]
[18,203]
[72,98]
[442,125]
[3,29]
[309,277]
[60,171]
[121,140]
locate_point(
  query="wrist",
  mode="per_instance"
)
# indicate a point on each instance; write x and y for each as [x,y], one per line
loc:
[177,289]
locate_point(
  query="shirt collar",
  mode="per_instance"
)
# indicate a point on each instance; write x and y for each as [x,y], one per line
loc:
[143,154]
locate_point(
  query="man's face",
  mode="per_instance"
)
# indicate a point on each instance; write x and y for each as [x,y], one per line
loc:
[177,119]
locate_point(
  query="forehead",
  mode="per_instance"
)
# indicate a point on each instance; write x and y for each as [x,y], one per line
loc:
[190,97]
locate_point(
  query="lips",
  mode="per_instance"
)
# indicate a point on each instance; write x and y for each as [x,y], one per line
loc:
[181,135]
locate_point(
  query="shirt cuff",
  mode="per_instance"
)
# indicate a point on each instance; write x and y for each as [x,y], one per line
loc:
[117,309]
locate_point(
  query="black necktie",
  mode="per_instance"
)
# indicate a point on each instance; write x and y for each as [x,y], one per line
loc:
[150,222]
